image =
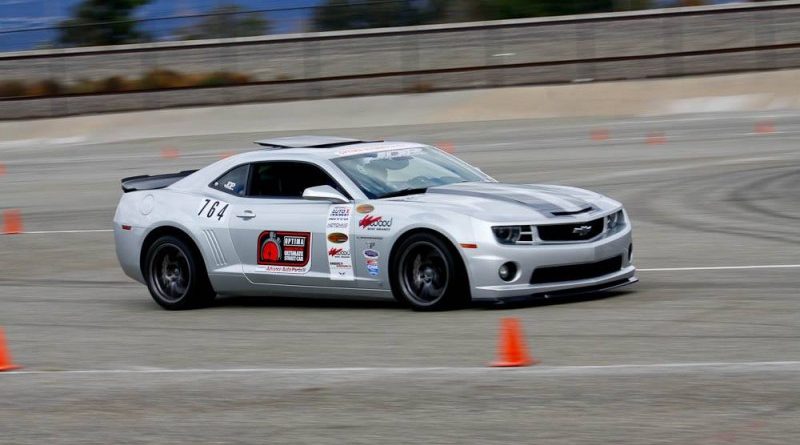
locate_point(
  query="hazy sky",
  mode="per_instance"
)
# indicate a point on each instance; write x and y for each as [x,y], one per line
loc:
[26,14]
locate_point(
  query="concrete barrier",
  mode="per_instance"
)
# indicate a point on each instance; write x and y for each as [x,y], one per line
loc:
[768,91]
[636,45]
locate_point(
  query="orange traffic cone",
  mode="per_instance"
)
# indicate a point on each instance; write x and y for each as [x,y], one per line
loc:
[445,146]
[170,153]
[656,138]
[600,134]
[765,127]
[12,222]
[5,356]
[511,348]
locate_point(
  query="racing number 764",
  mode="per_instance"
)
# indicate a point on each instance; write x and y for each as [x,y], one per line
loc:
[217,209]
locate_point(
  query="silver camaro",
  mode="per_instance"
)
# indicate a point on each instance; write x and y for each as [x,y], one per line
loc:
[318,216]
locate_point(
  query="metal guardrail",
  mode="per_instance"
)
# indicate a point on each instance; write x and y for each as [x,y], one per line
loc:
[614,46]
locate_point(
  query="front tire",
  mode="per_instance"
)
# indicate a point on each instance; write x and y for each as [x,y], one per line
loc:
[428,275]
[176,275]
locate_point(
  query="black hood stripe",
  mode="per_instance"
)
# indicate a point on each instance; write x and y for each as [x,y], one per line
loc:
[577,202]
[544,207]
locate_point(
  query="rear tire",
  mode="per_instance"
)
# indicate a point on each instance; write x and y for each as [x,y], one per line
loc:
[176,275]
[428,275]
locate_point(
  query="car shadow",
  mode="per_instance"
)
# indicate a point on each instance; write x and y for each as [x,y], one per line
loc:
[540,301]
[345,303]
[301,302]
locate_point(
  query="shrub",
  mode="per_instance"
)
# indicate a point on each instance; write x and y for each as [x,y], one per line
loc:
[420,87]
[161,78]
[115,84]
[82,85]
[151,80]
[221,78]
[46,87]
[12,88]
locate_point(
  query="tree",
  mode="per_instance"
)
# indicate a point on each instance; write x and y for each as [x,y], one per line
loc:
[226,21]
[351,14]
[510,9]
[355,14]
[102,22]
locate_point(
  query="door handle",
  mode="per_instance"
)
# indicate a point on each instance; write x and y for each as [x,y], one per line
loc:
[246,214]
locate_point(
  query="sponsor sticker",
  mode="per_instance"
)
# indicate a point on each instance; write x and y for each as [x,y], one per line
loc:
[340,260]
[371,253]
[375,222]
[284,252]
[364,208]
[390,154]
[373,268]
[337,237]
[339,218]
[376,148]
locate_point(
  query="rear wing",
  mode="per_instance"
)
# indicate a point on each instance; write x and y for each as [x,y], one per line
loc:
[148,182]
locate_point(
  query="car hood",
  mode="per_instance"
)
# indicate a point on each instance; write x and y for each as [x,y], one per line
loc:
[492,201]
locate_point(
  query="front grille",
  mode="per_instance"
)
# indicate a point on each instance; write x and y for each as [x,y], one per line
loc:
[571,231]
[555,274]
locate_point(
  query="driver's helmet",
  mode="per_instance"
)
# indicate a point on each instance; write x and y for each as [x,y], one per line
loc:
[376,169]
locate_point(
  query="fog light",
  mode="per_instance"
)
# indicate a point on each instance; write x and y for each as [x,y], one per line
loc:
[507,271]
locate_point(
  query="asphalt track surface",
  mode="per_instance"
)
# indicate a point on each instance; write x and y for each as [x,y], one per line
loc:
[699,356]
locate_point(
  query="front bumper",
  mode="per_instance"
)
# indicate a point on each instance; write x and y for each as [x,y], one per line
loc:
[486,284]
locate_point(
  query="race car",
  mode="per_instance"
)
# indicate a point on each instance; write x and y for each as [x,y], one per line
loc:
[330,216]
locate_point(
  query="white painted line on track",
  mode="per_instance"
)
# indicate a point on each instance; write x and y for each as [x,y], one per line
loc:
[680,269]
[655,368]
[48,232]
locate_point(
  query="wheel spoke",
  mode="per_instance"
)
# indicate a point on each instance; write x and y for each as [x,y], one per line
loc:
[426,292]
[169,271]
[424,273]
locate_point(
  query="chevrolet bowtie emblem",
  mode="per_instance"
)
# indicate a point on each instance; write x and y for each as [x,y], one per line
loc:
[582,230]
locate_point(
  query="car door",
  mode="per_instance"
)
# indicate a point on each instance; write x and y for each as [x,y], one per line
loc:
[283,239]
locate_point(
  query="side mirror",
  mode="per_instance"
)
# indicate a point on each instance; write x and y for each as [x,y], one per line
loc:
[324,193]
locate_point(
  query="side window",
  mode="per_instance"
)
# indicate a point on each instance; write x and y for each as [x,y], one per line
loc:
[233,182]
[287,179]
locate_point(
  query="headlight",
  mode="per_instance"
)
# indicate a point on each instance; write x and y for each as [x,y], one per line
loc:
[512,234]
[614,220]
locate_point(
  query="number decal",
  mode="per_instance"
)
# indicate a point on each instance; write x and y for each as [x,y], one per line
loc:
[221,212]
[204,206]
[212,209]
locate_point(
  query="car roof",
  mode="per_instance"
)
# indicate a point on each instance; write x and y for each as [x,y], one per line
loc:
[307,142]
[284,149]
[319,147]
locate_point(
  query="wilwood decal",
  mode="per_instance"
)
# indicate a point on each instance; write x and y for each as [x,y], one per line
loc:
[375,222]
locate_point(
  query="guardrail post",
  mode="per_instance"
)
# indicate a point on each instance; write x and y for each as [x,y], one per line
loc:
[311,65]
[765,38]
[584,33]
[410,60]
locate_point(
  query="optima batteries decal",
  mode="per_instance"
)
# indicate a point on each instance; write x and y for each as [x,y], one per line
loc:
[284,252]
[337,230]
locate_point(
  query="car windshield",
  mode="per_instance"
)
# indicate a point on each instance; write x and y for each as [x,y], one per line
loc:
[386,173]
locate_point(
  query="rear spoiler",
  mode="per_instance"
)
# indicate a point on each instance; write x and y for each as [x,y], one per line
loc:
[148,182]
